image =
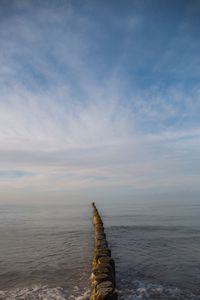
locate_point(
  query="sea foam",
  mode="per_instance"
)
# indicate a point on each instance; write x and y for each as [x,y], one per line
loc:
[148,291]
[38,292]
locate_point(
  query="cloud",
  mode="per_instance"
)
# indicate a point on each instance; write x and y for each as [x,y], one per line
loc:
[14,174]
[69,122]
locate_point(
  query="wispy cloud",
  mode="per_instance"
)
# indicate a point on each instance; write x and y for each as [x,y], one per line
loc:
[77,113]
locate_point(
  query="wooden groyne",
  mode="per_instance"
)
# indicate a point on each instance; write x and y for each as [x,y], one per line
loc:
[103,266]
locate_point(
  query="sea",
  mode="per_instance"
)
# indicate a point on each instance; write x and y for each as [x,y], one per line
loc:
[46,249]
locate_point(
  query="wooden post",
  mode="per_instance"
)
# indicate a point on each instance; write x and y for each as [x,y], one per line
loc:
[103,266]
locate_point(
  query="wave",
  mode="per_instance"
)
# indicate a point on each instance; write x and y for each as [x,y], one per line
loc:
[147,228]
[137,291]
[148,291]
[43,293]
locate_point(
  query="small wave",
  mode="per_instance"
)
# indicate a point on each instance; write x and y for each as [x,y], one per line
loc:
[77,296]
[147,291]
[42,293]
[85,296]
[148,228]
[33,293]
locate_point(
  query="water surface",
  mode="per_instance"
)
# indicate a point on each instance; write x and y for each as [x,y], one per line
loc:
[46,250]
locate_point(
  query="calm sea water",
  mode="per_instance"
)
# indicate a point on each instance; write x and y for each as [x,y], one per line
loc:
[46,250]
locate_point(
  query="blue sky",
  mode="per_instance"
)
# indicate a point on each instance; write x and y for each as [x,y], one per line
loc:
[99,97]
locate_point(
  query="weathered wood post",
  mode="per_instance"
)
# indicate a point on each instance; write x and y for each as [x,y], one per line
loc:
[103,266]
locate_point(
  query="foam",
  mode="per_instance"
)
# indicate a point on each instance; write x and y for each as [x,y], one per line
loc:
[138,290]
[146,291]
[38,292]
[79,295]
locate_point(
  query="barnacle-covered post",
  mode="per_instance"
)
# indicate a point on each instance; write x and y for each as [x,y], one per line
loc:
[103,266]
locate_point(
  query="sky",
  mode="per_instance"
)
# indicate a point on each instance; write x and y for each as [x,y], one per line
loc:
[99,99]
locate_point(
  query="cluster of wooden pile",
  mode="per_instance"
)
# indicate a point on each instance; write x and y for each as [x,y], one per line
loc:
[103,266]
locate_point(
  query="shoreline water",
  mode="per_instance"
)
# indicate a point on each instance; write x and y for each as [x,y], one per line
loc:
[49,252]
